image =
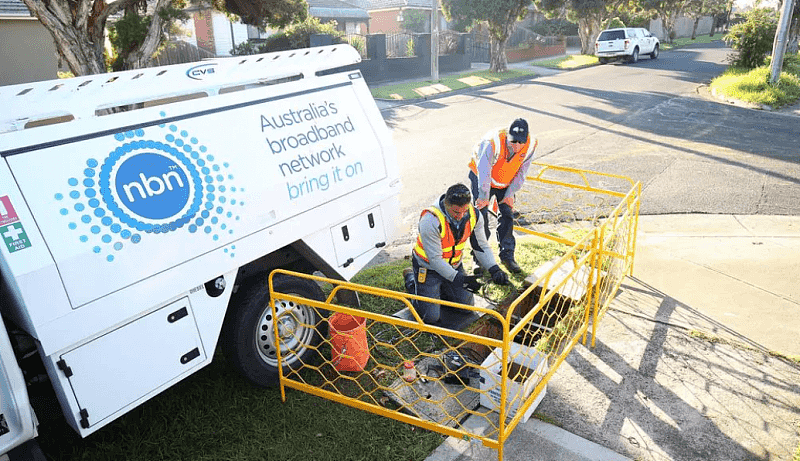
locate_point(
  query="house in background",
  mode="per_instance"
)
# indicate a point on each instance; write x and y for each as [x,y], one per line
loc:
[350,18]
[386,16]
[216,34]
[27,51]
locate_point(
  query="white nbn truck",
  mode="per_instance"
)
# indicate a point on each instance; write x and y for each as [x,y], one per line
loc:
[133,204]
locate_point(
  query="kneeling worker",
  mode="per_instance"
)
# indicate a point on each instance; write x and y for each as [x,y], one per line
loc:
[444,229]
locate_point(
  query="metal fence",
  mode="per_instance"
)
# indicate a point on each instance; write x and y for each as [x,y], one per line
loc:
[520,37]
[497,368]
[400,45]
[359,42]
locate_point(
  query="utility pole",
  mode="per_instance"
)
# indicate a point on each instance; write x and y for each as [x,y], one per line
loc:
[435,40]
[779,46]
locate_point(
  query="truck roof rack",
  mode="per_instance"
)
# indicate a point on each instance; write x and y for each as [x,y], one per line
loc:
[62,100]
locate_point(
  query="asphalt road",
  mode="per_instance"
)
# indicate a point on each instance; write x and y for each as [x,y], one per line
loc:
[649,121]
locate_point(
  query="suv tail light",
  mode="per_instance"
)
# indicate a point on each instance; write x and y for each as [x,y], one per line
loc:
[627,42]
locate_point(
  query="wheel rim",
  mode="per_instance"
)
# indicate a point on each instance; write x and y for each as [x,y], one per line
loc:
[655,52]
[294,327]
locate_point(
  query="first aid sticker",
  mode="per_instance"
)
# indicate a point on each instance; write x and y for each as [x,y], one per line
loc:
[14,237]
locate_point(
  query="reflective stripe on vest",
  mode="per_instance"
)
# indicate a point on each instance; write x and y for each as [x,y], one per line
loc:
[503,170]
[451,250]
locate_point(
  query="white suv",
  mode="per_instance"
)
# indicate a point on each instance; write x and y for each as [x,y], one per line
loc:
[627,43]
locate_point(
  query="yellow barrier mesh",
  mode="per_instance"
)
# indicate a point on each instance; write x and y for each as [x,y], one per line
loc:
[497,367]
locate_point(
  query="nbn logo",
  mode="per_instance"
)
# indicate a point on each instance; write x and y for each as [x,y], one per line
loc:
[198,72]
[152,186]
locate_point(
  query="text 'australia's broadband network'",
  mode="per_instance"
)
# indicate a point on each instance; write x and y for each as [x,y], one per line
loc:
[312,129]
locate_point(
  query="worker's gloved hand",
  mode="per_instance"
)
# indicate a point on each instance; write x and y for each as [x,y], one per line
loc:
[480,203]
[498,275]
[469,282]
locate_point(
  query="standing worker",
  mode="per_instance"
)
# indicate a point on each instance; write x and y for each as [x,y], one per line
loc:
[444,229]
[500,161]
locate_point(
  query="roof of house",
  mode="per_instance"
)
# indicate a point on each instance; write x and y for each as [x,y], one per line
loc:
[389,4]
[335,9]
[14,8]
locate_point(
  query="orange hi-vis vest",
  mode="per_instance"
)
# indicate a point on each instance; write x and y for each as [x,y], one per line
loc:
[451,250]
[503,168]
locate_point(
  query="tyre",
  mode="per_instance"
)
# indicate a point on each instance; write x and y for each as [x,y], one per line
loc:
[634,56]
[603,60]
[249,331]
[654,54]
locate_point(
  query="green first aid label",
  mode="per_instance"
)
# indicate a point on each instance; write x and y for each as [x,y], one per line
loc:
[15,237]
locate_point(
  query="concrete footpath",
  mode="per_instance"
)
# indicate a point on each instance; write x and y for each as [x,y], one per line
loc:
[689,362]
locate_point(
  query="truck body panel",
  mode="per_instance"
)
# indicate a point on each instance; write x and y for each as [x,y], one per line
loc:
[115,221]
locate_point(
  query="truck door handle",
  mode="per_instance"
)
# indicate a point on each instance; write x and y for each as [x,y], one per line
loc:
[177,315]
[345,233]
[189,356]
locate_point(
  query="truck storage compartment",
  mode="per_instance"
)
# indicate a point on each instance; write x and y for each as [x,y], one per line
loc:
[358,235]
[130,363]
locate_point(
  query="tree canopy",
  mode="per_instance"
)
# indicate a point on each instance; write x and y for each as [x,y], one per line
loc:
[589,14]
[499,15]
[78,27]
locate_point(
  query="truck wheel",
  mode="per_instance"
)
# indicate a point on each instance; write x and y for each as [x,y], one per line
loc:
[249,333]
[654,54]
[634,56]
[603,60]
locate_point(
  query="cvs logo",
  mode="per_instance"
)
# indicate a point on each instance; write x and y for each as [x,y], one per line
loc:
[201,71]
[152,186]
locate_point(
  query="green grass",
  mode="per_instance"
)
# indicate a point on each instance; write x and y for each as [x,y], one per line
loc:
[796,456]
[752,85]
[406,90]
[684,41]
[573,61]
[217,415]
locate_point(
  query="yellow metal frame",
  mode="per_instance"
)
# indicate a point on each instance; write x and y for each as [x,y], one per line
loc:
[607,250]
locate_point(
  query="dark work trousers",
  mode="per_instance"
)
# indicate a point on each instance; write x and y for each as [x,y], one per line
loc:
[505,222]
[437,287]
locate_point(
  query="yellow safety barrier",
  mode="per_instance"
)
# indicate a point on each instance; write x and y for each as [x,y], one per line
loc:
[498,367]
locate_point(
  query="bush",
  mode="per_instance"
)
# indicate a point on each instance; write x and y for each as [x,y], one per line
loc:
[753,38]
[613,23]
[555,27]
[293,37]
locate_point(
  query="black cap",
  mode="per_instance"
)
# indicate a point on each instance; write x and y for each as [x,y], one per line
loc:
[519,130]
[458,195]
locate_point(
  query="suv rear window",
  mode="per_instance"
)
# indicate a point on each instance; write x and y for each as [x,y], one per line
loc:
[611,35]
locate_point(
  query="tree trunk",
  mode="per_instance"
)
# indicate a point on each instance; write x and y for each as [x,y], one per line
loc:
[694,29]
[588,30]
[78,30]
[498,61]
[794,31]
[142,55]
[76,44]
[668,21]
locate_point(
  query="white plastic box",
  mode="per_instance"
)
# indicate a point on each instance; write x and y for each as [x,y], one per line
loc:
[533,366]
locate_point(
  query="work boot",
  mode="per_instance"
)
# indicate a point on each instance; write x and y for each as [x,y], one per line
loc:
[408,280]
[512,266]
